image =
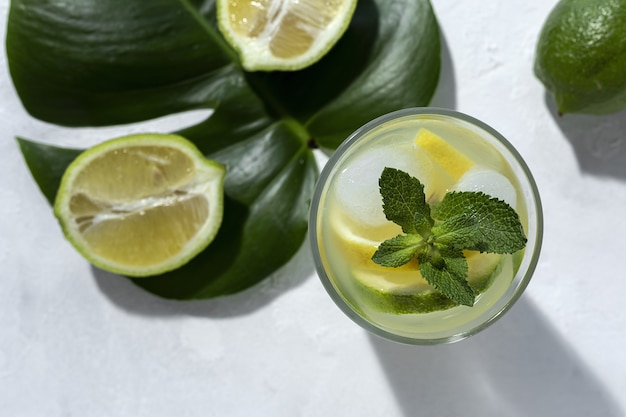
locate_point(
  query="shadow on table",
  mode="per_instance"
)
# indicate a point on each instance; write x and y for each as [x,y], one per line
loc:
[598,141]
[517,367]
[128,296]
[445,94]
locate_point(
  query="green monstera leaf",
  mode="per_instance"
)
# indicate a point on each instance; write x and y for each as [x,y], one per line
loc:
[109,62]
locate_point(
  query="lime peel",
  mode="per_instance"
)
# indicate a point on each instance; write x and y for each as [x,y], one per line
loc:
[581,55]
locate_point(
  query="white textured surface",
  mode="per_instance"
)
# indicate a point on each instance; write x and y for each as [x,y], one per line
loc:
[79,342]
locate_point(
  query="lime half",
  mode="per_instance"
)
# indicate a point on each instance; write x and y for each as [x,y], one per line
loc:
[283,34]
[141,205]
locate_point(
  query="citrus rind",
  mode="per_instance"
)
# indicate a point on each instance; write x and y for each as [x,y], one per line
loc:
[580,57]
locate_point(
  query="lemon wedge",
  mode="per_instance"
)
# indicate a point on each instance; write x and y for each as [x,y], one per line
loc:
[141,205]
[283,34]
[447,164]
[453,162]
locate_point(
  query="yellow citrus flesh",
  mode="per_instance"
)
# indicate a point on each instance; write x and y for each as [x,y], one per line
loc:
[446,164]
[403,290]
[283,34]
[141,205]
[453,162]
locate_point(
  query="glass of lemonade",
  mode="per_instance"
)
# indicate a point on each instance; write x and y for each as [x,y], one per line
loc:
[446,151]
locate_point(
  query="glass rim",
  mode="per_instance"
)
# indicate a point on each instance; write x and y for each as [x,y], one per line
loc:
[535,217]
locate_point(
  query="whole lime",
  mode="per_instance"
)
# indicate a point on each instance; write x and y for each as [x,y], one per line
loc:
[581,56]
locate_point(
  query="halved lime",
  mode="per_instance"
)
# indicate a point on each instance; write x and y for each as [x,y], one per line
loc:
[141,205]
[283,34]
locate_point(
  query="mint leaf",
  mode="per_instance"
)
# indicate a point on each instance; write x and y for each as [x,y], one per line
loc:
[446,270]
[398,251]
[476,221]
[404,201]
[461,221]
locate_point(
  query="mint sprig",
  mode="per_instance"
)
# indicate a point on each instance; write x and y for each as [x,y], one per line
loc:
[436,236]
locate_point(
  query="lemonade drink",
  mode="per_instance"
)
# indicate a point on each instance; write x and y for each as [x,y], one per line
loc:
[446,151]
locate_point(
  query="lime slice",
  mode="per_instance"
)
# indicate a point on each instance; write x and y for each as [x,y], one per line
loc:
[283,34]
[404,290]
[141,205]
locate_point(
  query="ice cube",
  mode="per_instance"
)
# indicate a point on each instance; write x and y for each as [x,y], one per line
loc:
[489,182]
[357,189]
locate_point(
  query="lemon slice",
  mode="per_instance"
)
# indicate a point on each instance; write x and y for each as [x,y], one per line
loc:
[141,205]
[450,164]
[453,162]
[283,34]
[404,290]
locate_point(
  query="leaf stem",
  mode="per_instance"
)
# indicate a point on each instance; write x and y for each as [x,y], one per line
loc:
[435,256]
[276,108]
[217,38]
[274,105]
[299,130]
